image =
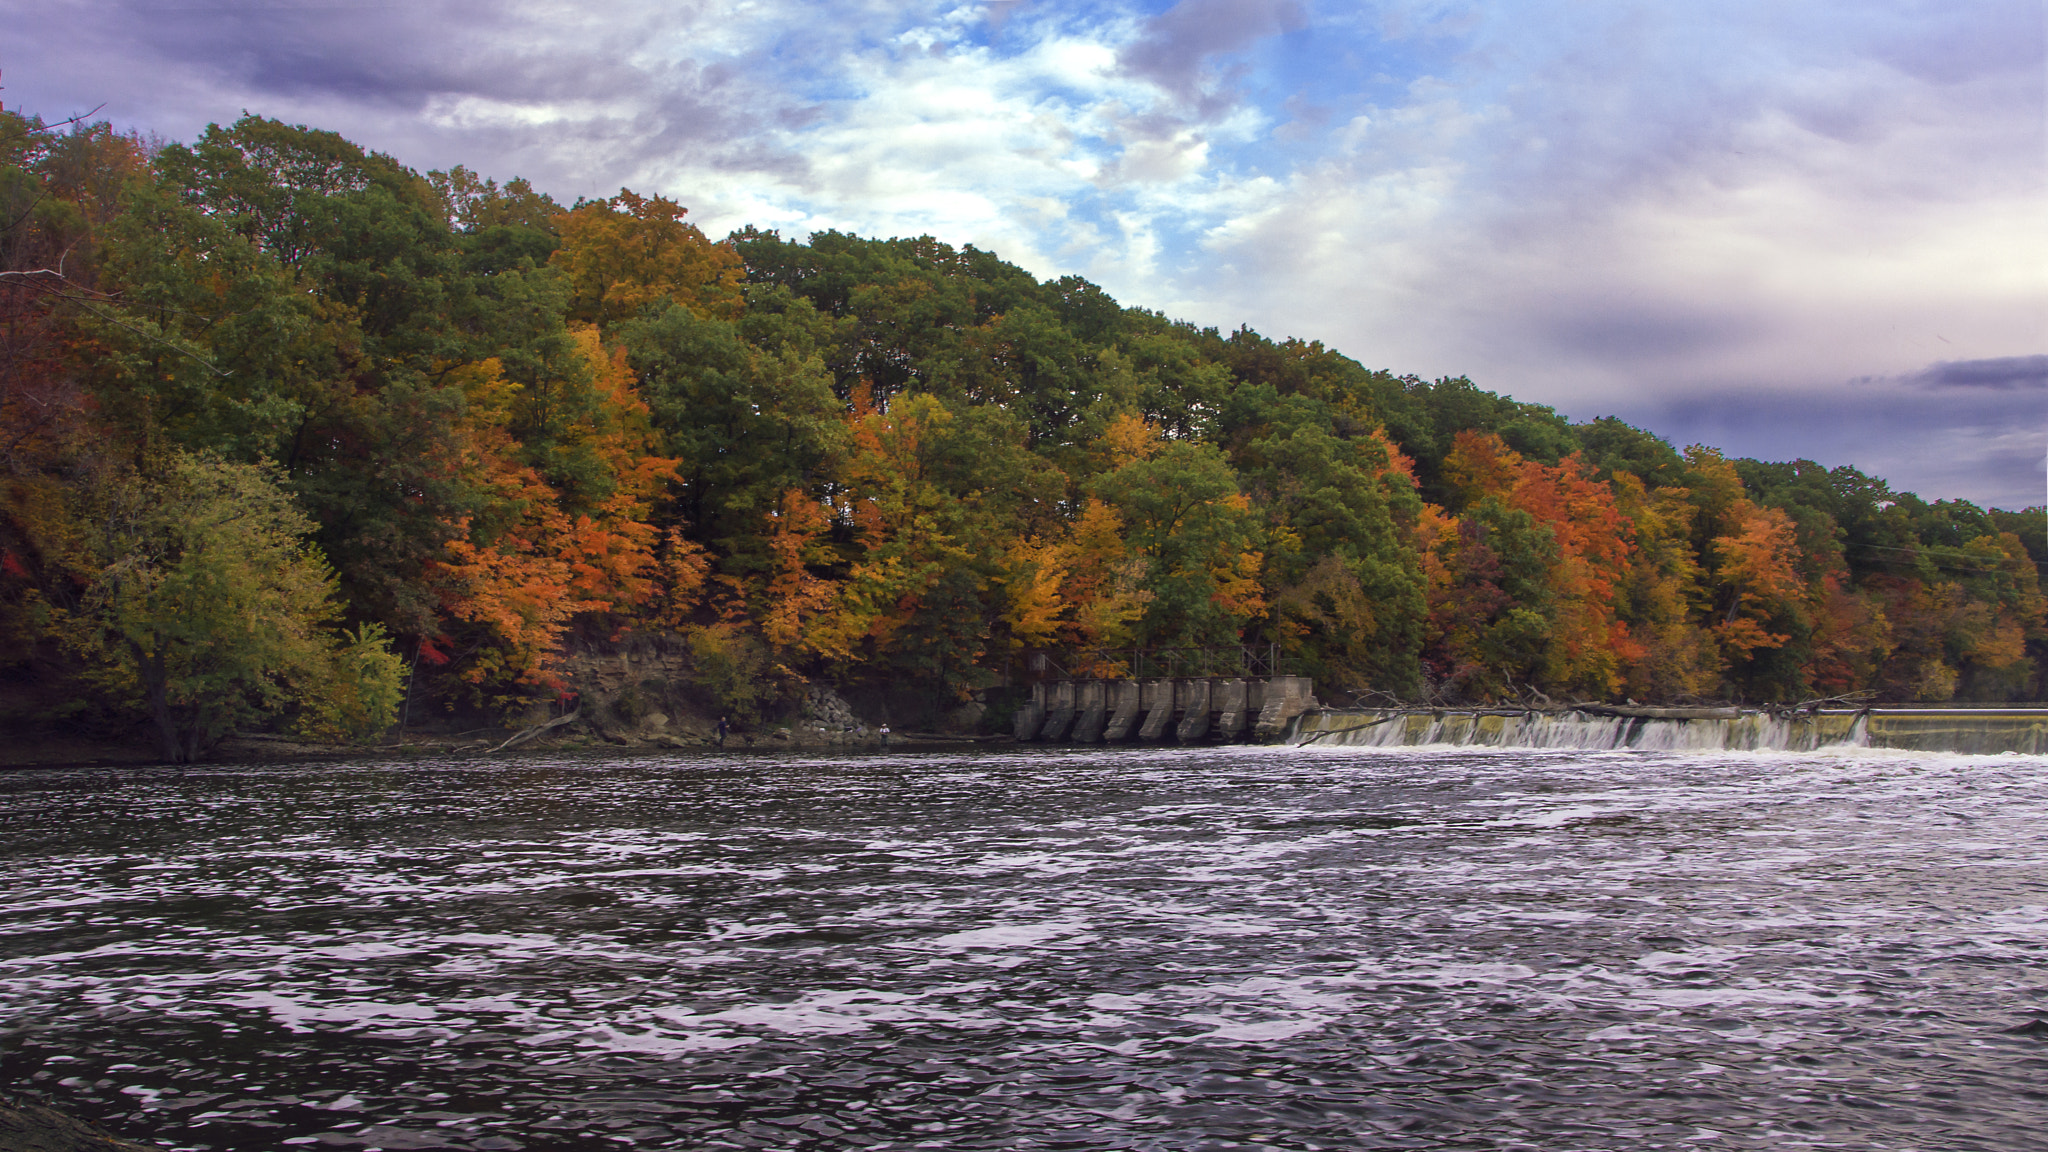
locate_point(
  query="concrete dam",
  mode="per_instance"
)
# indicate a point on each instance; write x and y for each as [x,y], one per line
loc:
[1284,709]
[1971,731]
[1224,695]
[1164,709]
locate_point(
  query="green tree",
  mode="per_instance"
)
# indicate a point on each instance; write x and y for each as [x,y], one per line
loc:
[209,612]
[745,424]
[1350,591]
[1200,540]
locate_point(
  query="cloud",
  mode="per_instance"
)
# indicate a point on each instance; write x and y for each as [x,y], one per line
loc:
[1177,47]
[1987,446]
[2003,373]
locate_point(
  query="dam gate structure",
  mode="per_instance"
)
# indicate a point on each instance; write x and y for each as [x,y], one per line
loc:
[1282,708]
[1193,696]
[1231,694]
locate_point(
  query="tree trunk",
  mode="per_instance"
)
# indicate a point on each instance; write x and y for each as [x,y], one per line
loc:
[156,690]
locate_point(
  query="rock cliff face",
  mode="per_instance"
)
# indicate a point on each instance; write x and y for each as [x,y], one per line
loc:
[640,691]
[826,716]
[643,691]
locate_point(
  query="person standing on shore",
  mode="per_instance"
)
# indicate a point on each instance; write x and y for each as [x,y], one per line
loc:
[885,737]
[723,728]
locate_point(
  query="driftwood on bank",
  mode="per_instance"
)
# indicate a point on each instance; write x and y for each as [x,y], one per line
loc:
[524,735]
[1650,712]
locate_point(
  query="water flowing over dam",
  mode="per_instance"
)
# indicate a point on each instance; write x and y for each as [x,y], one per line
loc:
[1977,731]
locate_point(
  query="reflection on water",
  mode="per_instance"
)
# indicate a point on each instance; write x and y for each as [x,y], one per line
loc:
[1147,949]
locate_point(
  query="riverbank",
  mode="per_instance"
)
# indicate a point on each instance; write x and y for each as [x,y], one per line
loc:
[84,752]
[641,693]
[825,727]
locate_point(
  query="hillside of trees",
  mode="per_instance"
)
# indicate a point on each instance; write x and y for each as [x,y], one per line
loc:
[290,433]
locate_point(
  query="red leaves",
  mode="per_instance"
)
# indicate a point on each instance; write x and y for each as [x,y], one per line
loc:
[434,651]
[1587,645]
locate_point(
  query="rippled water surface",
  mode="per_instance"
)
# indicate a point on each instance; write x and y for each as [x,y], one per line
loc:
[1144,949]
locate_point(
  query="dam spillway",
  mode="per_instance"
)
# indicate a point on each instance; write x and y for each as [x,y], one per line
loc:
[1284,709]
[1978,731]
[1164,709]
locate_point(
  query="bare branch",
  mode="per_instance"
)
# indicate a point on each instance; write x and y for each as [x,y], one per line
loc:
[52,127]
[84,297]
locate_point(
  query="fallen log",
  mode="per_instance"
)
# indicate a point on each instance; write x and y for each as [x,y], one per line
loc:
[523,736]
[1648,712]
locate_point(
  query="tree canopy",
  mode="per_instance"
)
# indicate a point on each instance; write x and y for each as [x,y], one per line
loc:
[286,401]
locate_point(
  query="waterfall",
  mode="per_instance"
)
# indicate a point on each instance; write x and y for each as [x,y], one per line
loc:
[1968,730]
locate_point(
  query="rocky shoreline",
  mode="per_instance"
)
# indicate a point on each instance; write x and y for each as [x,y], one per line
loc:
[630,697]
[28,1127]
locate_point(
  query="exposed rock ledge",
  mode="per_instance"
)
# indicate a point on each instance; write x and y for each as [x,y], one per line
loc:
[26,1127]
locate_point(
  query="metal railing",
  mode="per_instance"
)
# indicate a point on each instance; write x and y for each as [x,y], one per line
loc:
[1248,660]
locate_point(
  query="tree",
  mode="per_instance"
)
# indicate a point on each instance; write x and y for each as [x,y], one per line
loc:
[1200,541]
[935,496]
[1587,645]
[210,612]
[746,424]
[1491,608]
[1661,597]
[536,548]
[630,251]
[1349,600]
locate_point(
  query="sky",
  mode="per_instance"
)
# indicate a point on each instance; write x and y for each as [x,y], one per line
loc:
[1787,230]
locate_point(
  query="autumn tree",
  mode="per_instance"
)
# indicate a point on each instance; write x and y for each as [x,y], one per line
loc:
[625,253]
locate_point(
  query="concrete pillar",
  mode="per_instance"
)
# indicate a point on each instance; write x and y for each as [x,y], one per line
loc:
[1030,716]
[1286,698]
[1193,701]
[1126,706]
[1229,697]
[1092,708]
[1158,705]
[1059,712]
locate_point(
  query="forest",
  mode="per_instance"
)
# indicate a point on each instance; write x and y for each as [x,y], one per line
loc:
[293,437]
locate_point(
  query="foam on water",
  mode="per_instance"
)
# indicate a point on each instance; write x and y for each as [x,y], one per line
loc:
[1323,947]
[1979,731]
[1754,731]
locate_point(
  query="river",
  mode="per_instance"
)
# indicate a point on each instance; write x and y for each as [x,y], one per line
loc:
[1314,948]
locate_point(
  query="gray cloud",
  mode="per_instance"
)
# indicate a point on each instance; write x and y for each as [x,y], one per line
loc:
[395,55]
[2001,373]
[580,100]
[1177,46]
[2001,37]
[1990,447]
[1638,329]
[1599,111]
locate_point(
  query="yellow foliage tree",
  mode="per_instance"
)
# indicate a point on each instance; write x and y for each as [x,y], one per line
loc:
[624,253]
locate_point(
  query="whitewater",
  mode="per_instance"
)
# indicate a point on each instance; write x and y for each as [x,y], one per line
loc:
[1315,947]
